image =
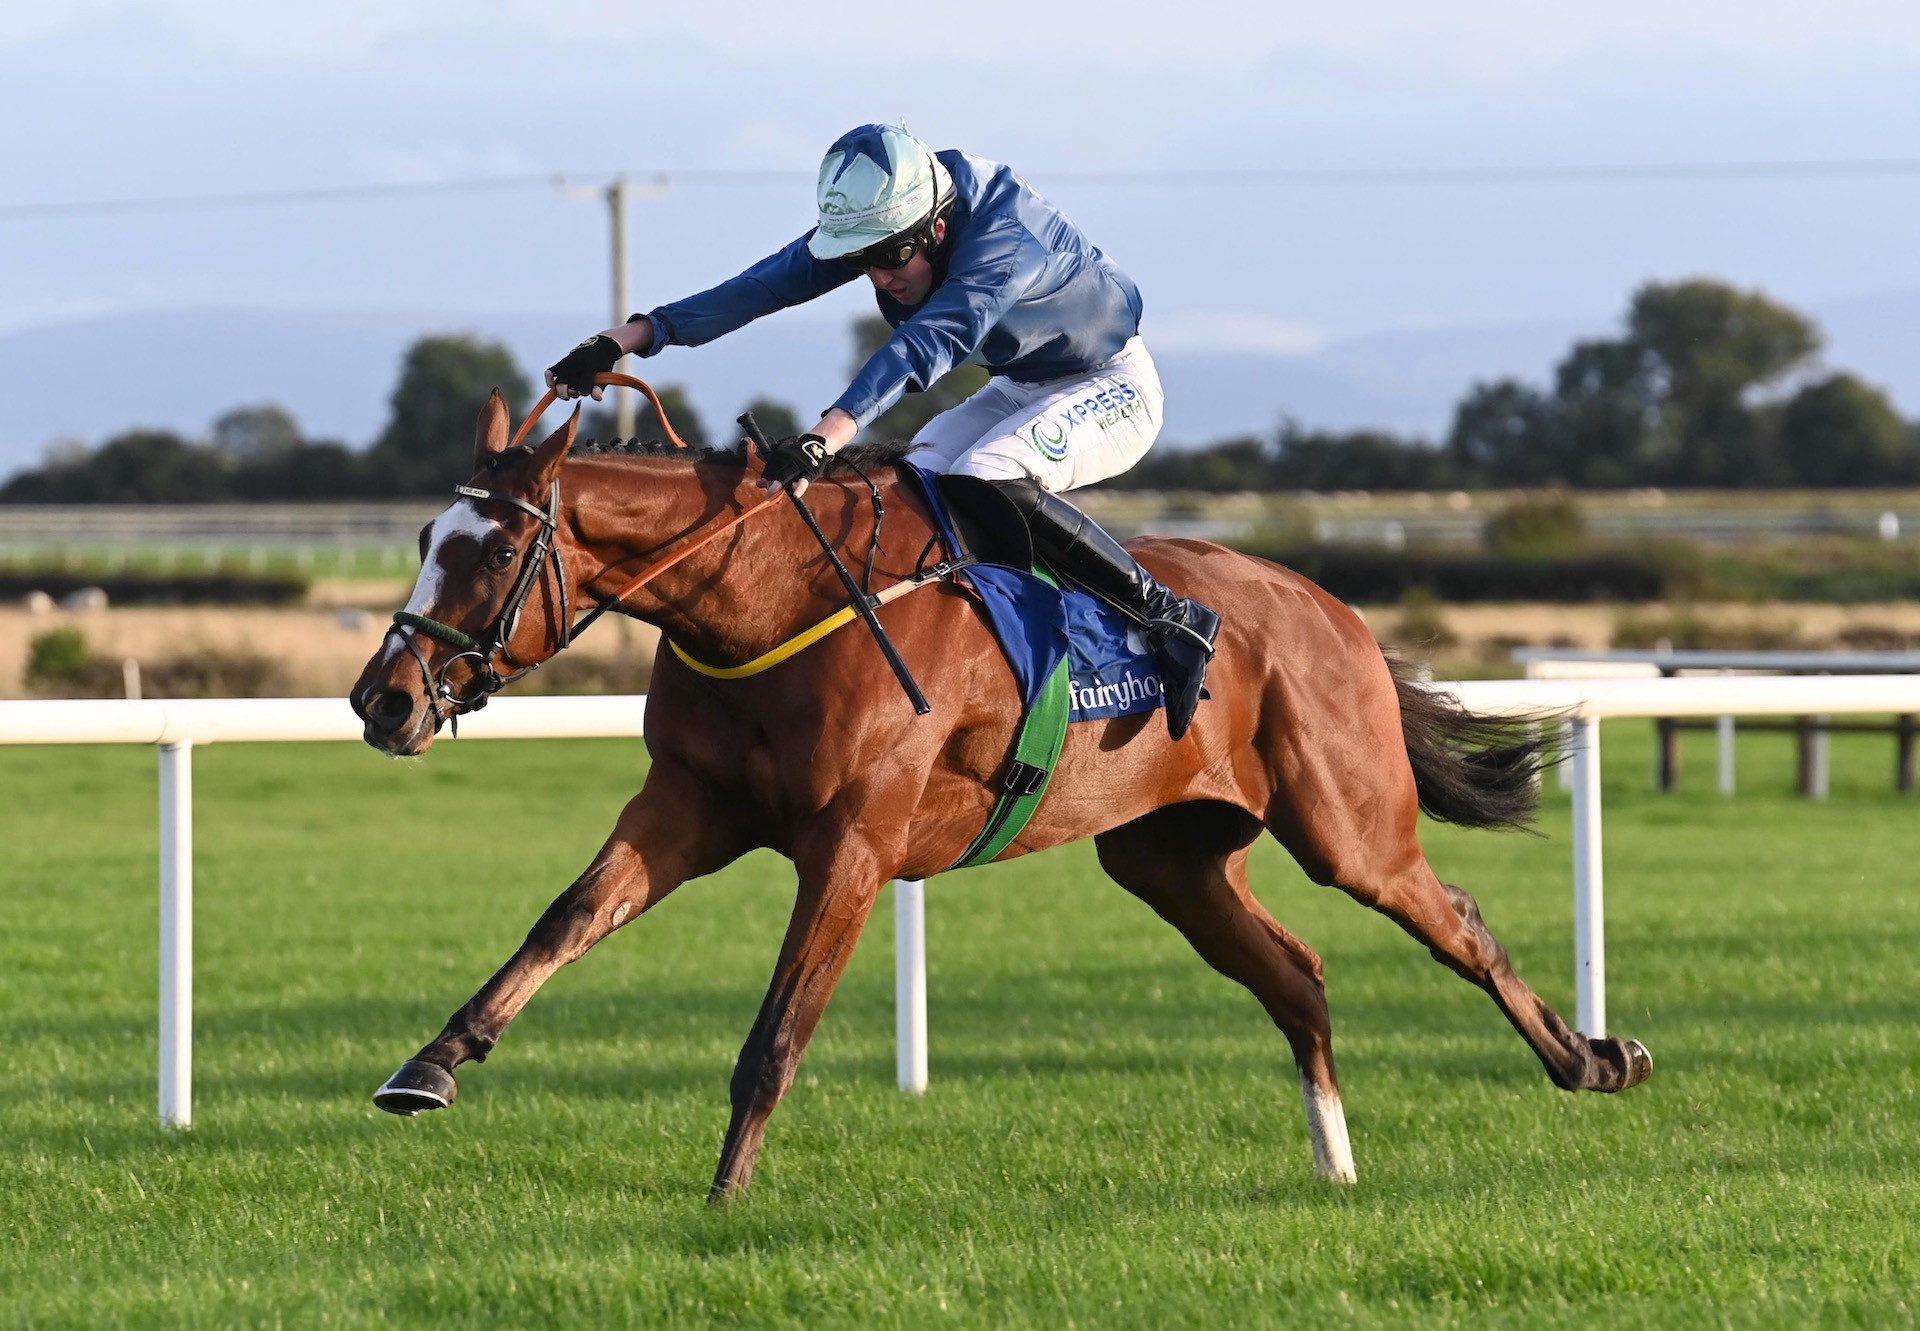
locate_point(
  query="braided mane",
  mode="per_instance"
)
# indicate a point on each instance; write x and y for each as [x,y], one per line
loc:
[877,454]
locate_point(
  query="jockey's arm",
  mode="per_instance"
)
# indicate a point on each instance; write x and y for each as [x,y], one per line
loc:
[983,281]
[986,277]
[789,276]
[837,429]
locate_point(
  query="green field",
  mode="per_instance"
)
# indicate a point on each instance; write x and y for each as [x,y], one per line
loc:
[1113,1137]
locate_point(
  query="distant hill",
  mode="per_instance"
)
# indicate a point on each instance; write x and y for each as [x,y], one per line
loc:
[334,369]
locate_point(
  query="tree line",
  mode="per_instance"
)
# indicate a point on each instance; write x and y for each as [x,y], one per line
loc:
[1707,385]
[260,453]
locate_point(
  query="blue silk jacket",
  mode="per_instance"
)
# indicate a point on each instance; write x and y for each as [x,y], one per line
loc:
[1018,290]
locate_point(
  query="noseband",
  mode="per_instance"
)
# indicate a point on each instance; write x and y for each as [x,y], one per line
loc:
[493,643]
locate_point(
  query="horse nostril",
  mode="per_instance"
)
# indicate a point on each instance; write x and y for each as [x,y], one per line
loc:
[389,708]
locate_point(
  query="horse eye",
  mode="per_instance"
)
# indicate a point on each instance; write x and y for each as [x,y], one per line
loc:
[500,558]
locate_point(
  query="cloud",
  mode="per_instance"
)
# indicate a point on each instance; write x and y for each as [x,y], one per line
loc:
[1217,332]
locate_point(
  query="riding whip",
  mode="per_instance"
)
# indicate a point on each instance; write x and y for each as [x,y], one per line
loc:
[861,601]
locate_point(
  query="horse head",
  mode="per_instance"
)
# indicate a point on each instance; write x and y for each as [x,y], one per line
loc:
[493,599]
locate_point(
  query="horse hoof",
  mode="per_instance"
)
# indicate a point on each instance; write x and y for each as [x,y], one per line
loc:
[1639,1063]
[415,1087]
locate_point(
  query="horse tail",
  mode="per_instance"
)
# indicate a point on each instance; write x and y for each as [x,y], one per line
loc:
[1478,771]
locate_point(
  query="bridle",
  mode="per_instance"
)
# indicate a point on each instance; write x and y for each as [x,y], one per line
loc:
[494,642]
[447,705]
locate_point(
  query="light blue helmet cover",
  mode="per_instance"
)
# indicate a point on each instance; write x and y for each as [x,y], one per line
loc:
[875,181]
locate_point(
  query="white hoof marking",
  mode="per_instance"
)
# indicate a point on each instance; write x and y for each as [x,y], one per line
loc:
[1327,1124]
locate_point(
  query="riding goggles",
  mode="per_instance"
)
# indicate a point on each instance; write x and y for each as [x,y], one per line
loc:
[886,256]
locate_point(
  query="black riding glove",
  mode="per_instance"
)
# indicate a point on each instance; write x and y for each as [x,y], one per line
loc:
[800,457]
[575,370]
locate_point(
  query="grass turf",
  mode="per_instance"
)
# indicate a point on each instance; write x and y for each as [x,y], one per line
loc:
[1113,1137]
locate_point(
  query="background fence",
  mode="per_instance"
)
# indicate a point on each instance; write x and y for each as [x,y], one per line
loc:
[175,727]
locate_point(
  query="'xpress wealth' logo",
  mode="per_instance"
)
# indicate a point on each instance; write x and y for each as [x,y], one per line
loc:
[1106,408]
[1050,439]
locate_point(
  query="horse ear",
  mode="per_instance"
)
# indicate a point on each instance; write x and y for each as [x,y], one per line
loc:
[491,431]
[548,457]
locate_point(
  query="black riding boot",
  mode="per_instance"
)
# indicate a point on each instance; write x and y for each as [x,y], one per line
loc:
[1181,630]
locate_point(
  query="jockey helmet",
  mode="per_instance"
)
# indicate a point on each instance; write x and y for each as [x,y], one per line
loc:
[876,182]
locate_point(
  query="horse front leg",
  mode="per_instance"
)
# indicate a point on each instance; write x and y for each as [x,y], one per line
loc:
[673,830]
[839,881]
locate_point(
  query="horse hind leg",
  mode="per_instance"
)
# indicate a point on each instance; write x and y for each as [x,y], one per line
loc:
[1596,1064]
[1346,805]
[1179,862]
[1447,920]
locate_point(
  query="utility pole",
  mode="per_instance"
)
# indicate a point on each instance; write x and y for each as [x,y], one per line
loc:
[617,212]
[617,193]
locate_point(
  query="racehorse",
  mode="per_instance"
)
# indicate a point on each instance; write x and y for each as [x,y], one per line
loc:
[1310,734]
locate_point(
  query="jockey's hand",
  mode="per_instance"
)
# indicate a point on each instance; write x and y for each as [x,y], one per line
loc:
[791,460]
[795,460]
[572,375]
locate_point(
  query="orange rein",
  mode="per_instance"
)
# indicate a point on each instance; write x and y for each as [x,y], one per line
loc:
[616,380]
[609,380]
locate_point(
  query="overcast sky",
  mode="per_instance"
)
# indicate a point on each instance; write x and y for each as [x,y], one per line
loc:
[110,100]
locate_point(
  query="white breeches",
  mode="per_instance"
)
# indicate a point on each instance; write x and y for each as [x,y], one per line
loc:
[1065,433]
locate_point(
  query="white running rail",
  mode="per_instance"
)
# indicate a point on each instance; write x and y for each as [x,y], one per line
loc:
[177,726]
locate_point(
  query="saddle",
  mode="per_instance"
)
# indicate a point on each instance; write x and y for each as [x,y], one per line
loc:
[988,527]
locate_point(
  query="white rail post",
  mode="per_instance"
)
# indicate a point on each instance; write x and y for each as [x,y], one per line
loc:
[910,982]
[1725,728]
[176,934]
[1563,761]
[1589,911]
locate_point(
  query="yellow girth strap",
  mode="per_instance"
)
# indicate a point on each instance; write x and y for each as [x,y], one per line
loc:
[800,642]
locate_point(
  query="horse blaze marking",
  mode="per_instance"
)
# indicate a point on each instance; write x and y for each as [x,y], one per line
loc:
[461,519]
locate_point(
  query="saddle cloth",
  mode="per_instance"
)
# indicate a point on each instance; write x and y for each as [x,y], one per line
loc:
[1110,668]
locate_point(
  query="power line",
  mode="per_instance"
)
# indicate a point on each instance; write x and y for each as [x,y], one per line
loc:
[267,198]
[1303,177]
[1513,175]
[353,193]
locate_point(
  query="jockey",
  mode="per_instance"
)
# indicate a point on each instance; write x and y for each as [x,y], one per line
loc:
[968,264]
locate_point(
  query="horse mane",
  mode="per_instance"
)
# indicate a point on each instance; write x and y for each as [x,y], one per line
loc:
[878,453]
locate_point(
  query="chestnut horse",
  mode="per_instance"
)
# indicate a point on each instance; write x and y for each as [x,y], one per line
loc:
[1310,734]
